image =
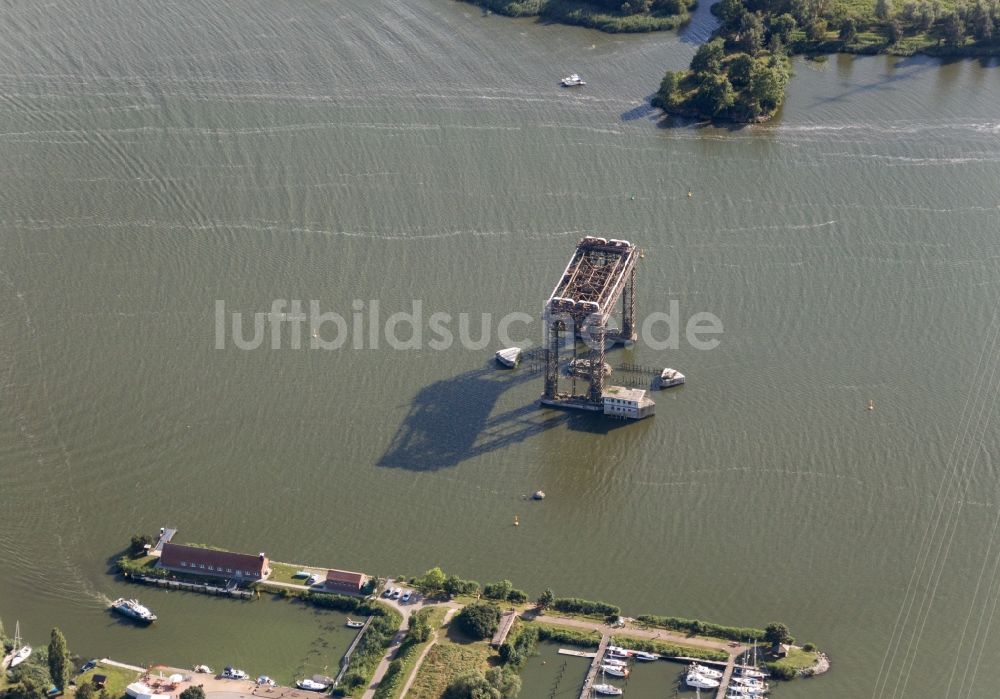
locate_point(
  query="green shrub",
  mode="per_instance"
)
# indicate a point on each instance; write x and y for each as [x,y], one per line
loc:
[779,671]
[571,637]
[517,596]
[574,605]
[479,619]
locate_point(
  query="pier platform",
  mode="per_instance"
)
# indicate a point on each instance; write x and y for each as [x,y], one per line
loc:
[577,653]
[166,534]
[506,624]
[592,673]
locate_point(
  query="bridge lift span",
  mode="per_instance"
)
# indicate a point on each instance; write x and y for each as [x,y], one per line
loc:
[600,273]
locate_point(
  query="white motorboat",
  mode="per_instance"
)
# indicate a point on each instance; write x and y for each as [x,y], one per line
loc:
[615,662]
[751,672]
[615,670]
[232,673]
[608,690]
[204,669]
[509,357]
[265,681]
[311,685]
[644,656]
[693,679]
[352,624]
[705,671]
[671,377]
[132,609]
[573,80]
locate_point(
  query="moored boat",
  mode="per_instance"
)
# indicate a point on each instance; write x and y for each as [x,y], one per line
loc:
[644,656]
[693,679]
[671,377]
[573,80]
[133,609]
[614,662]
[352,624]
[615,670]
[509,357]
[608,690]
[705,671]
[21,651]
[311,685]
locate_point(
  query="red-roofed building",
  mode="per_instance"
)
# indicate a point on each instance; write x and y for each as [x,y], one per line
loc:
[194,560]
[345,581]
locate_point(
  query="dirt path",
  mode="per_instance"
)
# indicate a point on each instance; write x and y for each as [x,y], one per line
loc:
[420,660]
[655,635]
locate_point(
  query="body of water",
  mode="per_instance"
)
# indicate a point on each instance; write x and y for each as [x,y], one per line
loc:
[159,157]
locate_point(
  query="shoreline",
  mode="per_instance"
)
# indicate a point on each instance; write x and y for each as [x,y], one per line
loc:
[668,637]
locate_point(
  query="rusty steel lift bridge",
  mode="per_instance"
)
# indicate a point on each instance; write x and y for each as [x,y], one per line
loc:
[600,273]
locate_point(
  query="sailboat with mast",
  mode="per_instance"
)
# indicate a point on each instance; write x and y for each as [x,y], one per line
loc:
[21,651]
[606,688]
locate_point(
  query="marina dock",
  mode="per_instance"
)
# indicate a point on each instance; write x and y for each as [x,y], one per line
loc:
[592,673]
[727,676]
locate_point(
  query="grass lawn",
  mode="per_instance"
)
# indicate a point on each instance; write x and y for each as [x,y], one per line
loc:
[284,572]
[118,678]
[451,656]
[797,659]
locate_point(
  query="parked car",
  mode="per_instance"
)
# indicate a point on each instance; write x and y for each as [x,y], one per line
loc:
[231,673]
[406,596]
[387,592]
[313,579]
[396,593]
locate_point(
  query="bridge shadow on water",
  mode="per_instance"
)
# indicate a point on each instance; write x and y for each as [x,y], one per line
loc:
[453,419]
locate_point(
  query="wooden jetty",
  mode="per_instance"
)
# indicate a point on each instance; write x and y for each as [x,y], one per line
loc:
[592,673]
[506,623]
[577,653]
[346,660]
[727,676]
[204,588]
